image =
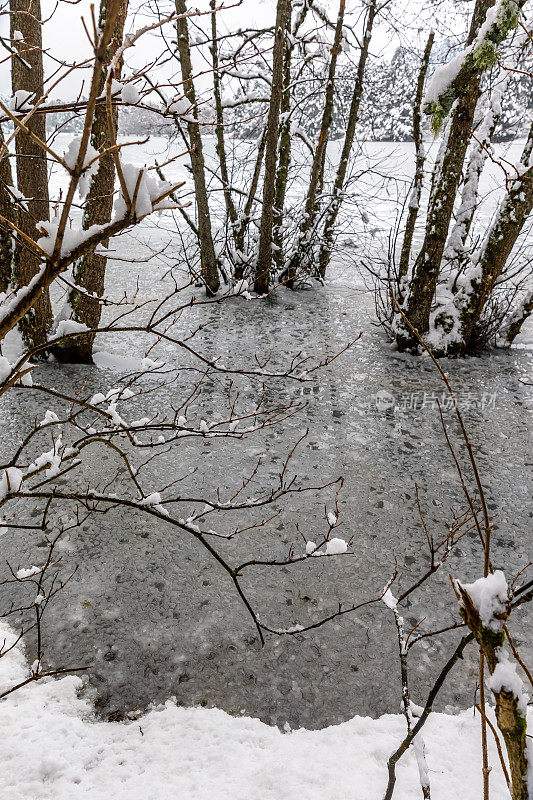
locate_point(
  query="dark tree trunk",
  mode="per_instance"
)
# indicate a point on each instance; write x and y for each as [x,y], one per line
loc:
[32,176]
[284,154]
[8,211]
[89,272]
[208,259]
[515,325]
[264,256]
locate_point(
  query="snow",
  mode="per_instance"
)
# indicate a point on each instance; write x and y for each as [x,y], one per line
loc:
[149,363]
[389,600]
[28,573]
[130,94]
[310,548]
[90,163]
[11,481]
[506,677]
[52,458]
[54,748]
[66,326]
[146,190]
[336,546]
[17,36]
[49,417]
[115,361]
[18,102]
[153,499]
[180,106]
[72,237]
[5,369]
[446,74]
[489,596]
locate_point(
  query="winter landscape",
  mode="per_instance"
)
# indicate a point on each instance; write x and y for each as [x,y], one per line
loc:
[265,399]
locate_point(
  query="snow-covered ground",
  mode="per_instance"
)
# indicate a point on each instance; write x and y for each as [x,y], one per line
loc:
[53,748]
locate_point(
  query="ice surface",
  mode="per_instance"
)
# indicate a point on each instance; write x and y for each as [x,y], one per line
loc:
[156,618]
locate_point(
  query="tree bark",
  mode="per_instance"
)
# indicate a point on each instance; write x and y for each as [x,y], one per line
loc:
[208,259]
[455,246]
[326,244]
[89,271]
[32,177]
[284,154]
[8,210]
[264,255]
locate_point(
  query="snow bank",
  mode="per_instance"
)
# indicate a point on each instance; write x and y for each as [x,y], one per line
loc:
[54,747]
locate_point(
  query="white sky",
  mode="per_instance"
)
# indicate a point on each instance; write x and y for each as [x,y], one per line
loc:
[65,39]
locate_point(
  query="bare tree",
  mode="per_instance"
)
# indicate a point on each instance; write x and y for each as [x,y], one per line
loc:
[299,256]
[89,272]
[335,202]
[207,249]
[264,255]
[459,98]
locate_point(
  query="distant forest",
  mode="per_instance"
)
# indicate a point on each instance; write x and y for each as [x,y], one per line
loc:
[386,110]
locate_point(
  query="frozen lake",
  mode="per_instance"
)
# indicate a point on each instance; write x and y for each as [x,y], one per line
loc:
[157,618]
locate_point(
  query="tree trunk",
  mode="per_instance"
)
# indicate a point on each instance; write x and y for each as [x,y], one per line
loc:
[427,266]
[326,244]
[89,271]
[208,259]
[519,317]
[221,145]
[8,210]
[317,167]
[264,256]
[284,154]
[416,191]
[501,238]
[32,177]
[511,720]
[455,246]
